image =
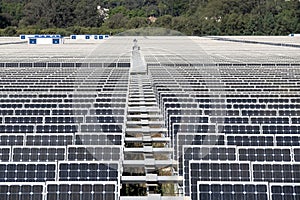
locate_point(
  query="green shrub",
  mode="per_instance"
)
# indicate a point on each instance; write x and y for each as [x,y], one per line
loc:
[10,31]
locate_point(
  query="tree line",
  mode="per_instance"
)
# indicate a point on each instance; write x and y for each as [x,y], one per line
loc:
[191,17]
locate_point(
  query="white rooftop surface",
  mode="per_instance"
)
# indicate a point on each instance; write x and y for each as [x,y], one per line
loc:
[177,49]
[272,39]
[9,39]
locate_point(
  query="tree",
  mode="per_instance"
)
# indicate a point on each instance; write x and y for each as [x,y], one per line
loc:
[164,21]
[4,22]
[33,12]
[286,22]
[86,14]
[117,21]
[61,13]
[137,22]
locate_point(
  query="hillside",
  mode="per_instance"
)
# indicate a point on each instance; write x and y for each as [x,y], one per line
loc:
[191,17]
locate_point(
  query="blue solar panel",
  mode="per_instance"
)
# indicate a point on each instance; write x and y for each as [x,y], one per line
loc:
[283,172]
[28,191]
[82,190]
[232,190]
[27,172]
[214,171]
[88,171]
[284,191]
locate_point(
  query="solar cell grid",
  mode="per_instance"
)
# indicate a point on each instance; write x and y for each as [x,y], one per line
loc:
[265,154]
[27,172]
[82,190]
[204,152]
[286,112]
[295,120]
[229,120]
[23,120]
[104,127]
[63,119]
[196,139]
[38,154]
[232,190]
[5,153]
[288,172]
[27,112]
[281,129]
[49,140]
[222,112]
[208,152]
[28,191]
[252,112]
[193,128]
[12,140]
[296,154]
[239,129]
[214,171]
[187,119]
[88,171]
[270,120]
[98,139]
[104,119]
[284,191]
[93,153]
[16,128]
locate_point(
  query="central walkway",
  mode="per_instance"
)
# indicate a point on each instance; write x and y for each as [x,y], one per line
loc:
[147,166]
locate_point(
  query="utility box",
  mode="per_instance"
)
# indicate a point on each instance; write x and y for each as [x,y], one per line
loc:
[87,38]
[26,37]
[44,39]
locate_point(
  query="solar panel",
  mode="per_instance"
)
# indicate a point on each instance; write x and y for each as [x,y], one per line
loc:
[88,171]
[232,190]
[205,152]
[38,154]
[239,129]
[30,191]
[229,120]
[98,139]
[5,153]
[49,128]
[27,171]
[269,120]
[196,139]
[11,140]
[104,119]
[284,191]
[49,140]
[93,153]
[287,140]
[192,128]
[288,172]
[25,120]
[250,140]
[16,128]
[82,190]
[281,129]
[265,154]
[106,128]
[214,171]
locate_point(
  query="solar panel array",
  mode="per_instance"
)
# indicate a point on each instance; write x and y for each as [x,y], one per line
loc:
[61,131]
[235,136]
[232,118]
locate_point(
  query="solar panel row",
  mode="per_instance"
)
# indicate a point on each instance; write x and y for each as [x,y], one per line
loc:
[61,126]
[243,120]
[59,190]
